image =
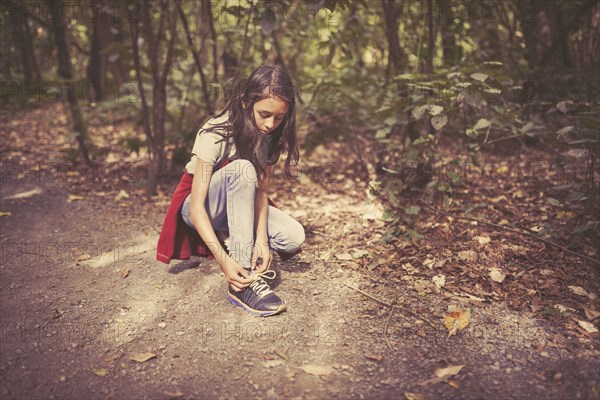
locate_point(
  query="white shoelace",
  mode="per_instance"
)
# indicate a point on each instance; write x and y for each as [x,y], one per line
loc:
[260,287]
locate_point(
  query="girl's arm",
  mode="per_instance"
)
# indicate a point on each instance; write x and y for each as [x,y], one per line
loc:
[234,272]
[261,245]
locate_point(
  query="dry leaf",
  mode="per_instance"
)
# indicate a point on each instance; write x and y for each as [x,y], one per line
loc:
[24,195]
[589,328]
[83,257]
[578,290]
[344,257]
[429,263]
[316,369]
[124,273]
[5,214]
[100,372]
[454,384]
[467,255]
[74,197]
[483,239]
[375,357]
[358,253]
[591,314]
[439,281]
[497,275]
[273,363]
[122,195]
[173,395]
[448,371]
[413,396]
[456,320]
[142,357]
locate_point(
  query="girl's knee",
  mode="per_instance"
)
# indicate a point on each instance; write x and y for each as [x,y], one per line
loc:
[242,172]
[296,237]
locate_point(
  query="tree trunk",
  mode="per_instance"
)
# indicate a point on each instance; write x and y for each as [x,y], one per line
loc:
[155,127]
[396,53]
[431,36]
[64,71]
[98,61]
[451,51]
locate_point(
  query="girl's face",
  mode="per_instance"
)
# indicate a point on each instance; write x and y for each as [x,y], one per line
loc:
[269,113]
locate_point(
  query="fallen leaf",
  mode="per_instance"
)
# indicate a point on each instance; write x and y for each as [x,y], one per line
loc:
[124,273]
[413,396]
[578,290]
[591,314]
[24,195]
[454,384]
[590,328]
[142,357]
[100,372]
[497,275]
[467,255]
[316,369]
[122,195]
[448,371]
[457,320]
[483,239]
[344,257]
[5,214]
[173,395]
[375,357]
[274,363]
[429,263]
[74,197]
[359,253]
[83,257]
[439,281]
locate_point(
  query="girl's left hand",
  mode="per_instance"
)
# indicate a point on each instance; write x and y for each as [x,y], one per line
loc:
[261,257]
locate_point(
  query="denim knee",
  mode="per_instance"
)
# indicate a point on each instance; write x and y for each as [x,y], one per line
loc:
[294,237]
[242,172]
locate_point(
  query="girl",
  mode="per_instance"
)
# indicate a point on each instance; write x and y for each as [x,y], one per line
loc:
[224,191]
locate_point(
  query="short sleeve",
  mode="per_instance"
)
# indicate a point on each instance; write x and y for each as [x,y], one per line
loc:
[209,147]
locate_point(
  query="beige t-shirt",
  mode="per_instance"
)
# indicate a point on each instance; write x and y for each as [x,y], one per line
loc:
[209,146]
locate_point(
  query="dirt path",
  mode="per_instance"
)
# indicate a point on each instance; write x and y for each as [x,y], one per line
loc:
[71,323]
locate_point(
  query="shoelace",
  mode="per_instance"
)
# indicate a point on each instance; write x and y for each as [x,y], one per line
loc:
[260,287]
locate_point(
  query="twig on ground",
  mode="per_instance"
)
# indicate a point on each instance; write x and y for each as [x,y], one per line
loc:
[519,231]
[386,325]
[391,305]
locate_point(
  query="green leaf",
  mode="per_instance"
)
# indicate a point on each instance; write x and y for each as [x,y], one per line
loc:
[408,77]
[439,121]
[453,176]
[435,110]
[412,210]
[418,111]
[478,76]
[414,234]
[482,124]
[554,202]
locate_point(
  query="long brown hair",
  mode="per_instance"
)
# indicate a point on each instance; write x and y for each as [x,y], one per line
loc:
[264,82]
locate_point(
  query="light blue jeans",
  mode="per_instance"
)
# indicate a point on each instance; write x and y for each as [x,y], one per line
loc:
[230,207]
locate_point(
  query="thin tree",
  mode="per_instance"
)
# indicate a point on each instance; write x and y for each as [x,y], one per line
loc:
[154,117]
[65,72]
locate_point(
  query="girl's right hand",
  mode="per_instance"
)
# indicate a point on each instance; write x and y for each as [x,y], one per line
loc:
[236,275]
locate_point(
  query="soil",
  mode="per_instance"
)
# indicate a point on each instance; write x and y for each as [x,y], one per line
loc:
[82,294]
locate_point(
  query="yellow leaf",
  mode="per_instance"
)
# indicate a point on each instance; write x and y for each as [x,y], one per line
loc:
[316,369]
[483,239]
[5,214]
[344,257]
[453,384]
[497,275]
[448,371]
[457,320]
[83,257]
[122,195]
[413,396]
[74,197]
[124,273]
[142,357]
[590,328]
[100,372]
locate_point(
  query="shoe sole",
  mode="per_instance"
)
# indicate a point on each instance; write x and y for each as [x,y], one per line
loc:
[251,310]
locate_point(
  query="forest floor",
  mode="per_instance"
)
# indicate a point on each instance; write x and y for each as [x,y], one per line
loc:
[88,313]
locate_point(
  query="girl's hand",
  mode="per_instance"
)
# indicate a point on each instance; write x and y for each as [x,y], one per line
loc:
[261,257]
[236,275]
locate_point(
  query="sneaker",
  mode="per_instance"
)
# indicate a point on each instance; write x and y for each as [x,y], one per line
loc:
[258,298]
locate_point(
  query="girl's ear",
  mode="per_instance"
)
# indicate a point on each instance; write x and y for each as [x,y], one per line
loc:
[243,102]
